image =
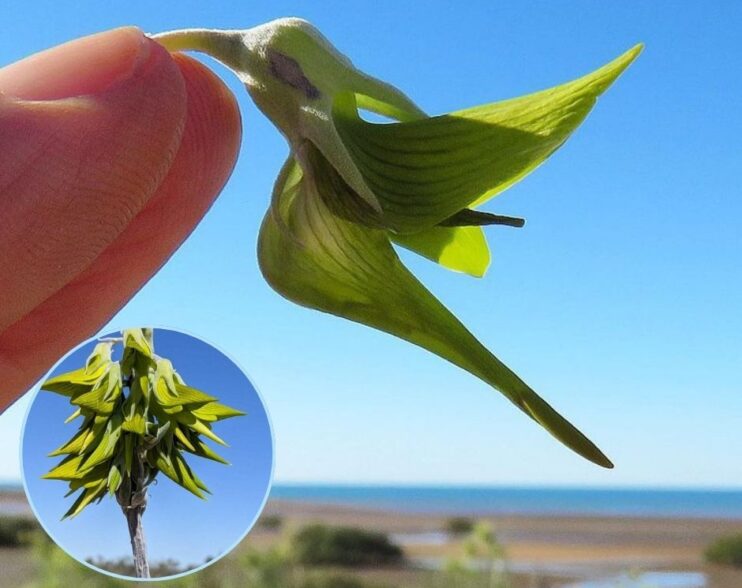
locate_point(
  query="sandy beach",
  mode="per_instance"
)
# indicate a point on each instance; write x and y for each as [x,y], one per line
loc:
[552,549]
[541,551]
[13,502]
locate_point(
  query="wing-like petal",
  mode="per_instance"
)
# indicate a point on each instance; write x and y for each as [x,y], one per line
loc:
[317,248]
[424,171]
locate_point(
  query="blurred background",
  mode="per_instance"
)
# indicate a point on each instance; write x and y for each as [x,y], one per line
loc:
[618,302]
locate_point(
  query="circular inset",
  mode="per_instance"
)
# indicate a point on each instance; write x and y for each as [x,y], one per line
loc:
[147,453]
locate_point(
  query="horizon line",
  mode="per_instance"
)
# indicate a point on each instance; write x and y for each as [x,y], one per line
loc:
[18,484]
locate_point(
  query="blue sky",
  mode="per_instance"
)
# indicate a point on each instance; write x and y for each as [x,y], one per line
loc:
[212,526]
[618,302]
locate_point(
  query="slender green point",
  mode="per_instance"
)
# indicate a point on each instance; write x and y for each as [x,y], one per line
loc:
[623,61]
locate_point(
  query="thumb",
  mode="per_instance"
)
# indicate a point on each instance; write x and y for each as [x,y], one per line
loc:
[126,143]
[88,131]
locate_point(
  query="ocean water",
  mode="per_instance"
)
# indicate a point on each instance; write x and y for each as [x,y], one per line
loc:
[647,580]
[11,487]
[724,504]
[721,504]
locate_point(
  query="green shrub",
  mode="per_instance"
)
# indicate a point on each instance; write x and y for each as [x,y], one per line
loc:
[273,568]
[17,531]
[270,522]
[333,581]
[277,568]
[125,566]
[459,526]
[726,551]
[319,545]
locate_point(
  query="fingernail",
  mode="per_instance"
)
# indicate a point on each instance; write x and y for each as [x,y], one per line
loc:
[84,66]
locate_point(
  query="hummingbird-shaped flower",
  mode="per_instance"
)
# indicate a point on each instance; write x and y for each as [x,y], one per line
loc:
[351,189]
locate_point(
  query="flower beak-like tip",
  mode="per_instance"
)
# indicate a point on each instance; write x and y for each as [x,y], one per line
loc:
[351,189]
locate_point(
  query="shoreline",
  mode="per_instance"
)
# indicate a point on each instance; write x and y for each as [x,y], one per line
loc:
[558,548]
[563,547]
[13,503]
[310,508]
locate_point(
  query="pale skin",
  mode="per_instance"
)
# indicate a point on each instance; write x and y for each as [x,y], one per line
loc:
[111,151]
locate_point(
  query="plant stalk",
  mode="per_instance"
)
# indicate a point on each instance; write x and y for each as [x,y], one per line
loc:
[132,498]
[138,543]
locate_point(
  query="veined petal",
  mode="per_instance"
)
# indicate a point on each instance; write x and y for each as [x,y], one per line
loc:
[74,382]
[462,249]
[214,411]
[139,340]
[85,498]
[419,172]
[314,251]
[424,171]
[84,379]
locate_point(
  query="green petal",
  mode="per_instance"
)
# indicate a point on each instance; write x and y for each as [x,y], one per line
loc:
[190,421]
[67,469]
[139,340]
[74,445]
[424,171]
[105,449]
[462,249]
[114,479]
[312,252]
[165,377]
[76,381]
[215,411]
[73,416]
[134,409]
[96,429]
[203,450]
[104,396]
[188,395]
[186,477]
[101,356]
[183,438]
[175,468]
[200,483]
[89,479]
[164,463]
[84,499]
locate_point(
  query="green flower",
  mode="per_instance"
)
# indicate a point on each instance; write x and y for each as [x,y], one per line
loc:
[351,189]
[138,418]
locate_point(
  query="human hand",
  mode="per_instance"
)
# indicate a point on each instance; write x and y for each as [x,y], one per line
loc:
[112,151]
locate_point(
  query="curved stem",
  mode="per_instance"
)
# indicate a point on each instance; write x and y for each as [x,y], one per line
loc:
[224,46]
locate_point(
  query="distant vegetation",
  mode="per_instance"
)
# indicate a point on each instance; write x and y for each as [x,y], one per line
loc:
[125,566]
[459,526]
[273,568]
[287,565]
[277,568]
[334,581]
[17,531]
[320,545]
[270,522]
[482,564]
[726,551]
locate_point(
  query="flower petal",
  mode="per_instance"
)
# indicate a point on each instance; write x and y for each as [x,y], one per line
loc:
[424,171]
[462,249]
[317,249]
